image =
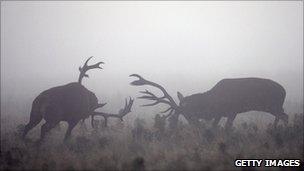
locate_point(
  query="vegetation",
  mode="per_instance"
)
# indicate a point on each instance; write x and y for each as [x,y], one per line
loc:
[140,147]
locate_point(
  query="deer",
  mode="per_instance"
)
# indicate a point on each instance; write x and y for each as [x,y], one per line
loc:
[71,102]
[227,98]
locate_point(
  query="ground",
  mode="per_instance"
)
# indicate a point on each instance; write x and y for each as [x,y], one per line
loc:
[140,147]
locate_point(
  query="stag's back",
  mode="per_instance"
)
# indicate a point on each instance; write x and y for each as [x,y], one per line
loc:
[73,100]
[238,95]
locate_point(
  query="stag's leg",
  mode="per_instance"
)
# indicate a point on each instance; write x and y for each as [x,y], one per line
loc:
[173,121]
[52,116]
[285,118]
[216,121]
[280,115]
[105,122]
[194,122]
[230,120]
[72,124]
[276,121]
[34,120]
[83,125]
[46,128]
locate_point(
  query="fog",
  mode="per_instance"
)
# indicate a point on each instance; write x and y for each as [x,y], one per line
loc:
[184,46]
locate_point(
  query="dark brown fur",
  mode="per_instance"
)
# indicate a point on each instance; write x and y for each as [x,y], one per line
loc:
[71,102]
[232,96]
[226,99]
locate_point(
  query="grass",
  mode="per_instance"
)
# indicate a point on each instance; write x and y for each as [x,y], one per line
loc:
[141,147]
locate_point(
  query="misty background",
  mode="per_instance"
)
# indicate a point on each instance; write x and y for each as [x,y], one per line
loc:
[183,46]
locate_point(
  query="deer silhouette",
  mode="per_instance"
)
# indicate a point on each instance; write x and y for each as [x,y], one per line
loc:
[71,103]
[227,98]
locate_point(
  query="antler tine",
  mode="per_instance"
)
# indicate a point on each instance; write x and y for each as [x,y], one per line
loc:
[136,75]
[170,108]
[146,92]
[130,104]
[149,96]
[157,101]
[126,103]
[87,67]
[151,104]
[126,109]
[123,112]
[99,105]
[97,65]
[170,113]
[86,62]
[142,81]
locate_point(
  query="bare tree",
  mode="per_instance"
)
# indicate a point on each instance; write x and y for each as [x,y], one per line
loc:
[226,99]
[71,103]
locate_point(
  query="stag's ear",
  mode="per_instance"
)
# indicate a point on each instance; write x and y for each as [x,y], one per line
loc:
[180,96]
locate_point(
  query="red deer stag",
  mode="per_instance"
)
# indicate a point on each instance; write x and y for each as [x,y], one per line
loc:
[71,103]
[226,99]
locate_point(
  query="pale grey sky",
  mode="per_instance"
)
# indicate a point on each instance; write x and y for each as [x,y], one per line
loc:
[184,46]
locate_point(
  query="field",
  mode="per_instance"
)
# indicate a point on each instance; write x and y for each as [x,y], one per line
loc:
[212,60]
[140,146]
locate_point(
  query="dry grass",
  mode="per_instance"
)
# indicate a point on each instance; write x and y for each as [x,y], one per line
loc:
[137,147]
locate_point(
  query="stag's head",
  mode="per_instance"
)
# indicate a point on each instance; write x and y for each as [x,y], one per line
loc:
[87,67]
[174,109]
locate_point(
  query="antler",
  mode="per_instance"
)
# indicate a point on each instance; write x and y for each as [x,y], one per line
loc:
[151,96]
[122,112]
[87,67]
[167,99]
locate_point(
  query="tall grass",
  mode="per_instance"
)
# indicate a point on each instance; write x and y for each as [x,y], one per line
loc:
[143,147]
